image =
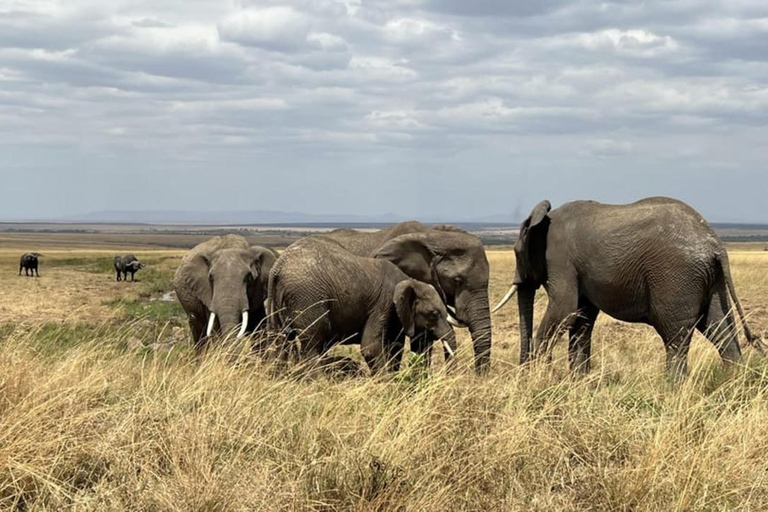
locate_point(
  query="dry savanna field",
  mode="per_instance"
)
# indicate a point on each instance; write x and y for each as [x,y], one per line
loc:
[103,406]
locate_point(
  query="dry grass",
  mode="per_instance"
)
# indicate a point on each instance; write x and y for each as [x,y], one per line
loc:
[104,423]
[75,285]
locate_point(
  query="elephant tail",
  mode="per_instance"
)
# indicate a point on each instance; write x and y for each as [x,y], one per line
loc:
[726,268]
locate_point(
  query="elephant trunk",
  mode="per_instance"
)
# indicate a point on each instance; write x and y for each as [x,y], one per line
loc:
[525,297]
[478,318]
[232,314]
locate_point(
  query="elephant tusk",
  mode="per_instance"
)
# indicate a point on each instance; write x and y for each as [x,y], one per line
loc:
[506,298]
[211,321]
[448,348]
[454,322]
[451,317]
[244,325]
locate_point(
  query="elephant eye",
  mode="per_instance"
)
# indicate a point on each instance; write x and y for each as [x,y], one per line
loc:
[435,314]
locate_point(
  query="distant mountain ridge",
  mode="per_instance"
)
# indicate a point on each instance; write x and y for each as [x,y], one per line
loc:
[257,217]
[225,217]
[272,217]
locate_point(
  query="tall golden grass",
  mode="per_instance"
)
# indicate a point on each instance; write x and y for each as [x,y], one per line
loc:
[107,425]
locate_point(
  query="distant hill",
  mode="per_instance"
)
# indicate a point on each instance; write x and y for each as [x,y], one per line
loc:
[261,217]
[227,217]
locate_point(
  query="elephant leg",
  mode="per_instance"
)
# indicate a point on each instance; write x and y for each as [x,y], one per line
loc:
[315,335]
[395,351]
[719,326]
[197,326]
[677,342]
[580,339]
[560,315]
[372,346]
[37,272]
[118,276]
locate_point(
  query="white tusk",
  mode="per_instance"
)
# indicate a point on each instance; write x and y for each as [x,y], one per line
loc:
[244,325]
[506,298]
[452,317]
[448,348]
[454,322]
[211,321]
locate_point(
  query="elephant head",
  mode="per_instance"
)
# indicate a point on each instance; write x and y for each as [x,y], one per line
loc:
[530,271]
[454,262]
[231,282]
[422,314]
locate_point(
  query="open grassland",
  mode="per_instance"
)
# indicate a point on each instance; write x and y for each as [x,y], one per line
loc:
[104,407]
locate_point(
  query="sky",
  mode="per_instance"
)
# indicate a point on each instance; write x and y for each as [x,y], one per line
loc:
[419,108]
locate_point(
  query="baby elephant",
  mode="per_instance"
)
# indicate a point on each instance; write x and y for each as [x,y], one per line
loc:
[127,264]
[328,296]
[29,263]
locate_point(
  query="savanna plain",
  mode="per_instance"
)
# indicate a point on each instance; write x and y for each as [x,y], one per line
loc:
[104,406]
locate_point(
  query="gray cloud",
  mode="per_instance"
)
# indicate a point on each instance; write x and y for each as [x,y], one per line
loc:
[417,107]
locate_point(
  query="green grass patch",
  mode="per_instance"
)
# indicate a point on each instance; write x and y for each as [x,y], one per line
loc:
[153,310]
[95,265]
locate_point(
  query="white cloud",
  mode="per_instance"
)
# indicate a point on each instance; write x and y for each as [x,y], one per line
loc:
[274,28]
[351,90]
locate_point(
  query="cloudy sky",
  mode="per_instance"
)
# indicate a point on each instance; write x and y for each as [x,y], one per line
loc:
[422,108]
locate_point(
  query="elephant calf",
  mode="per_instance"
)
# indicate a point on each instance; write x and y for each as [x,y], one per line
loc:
[330,296]
[127,264]
[655,261]
[222,285]
[29,262]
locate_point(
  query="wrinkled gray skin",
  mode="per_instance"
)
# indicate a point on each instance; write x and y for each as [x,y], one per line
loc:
[655,261]
[448,258]
[127,264]
[328,296]
[29,263]
[225,276]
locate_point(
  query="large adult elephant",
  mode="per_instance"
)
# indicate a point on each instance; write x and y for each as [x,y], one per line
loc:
[328,296]
[656,261]
[222,284]
[448,258]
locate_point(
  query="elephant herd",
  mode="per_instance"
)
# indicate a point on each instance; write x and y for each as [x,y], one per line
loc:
[344,287]
[655,261]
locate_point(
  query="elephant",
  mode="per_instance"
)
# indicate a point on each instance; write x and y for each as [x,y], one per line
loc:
[29,262]
[125,264]
[655,261]
[222,284]
[448,258]
[329,296]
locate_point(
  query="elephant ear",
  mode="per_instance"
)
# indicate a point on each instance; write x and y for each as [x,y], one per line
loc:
[531,245]
[262,259]
[413,253]
[404,298]
[539,213]
[197,280]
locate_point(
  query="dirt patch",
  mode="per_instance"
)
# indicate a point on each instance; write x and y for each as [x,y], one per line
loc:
[60,295]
